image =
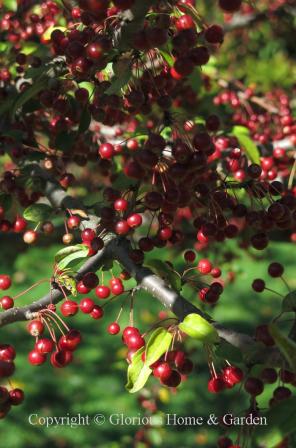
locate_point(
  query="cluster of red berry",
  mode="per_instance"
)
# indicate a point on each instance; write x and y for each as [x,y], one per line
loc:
[8,396]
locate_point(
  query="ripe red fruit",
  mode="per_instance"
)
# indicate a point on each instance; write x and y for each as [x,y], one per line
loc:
[94,51]
[90,280]
[134,220]
[260,241]
[117,288]
[106,151]
[69,308]
[114,281]
[102,291]
[254,386]
[216,272]
[135,341]
[214,34]
[184,22]
[87,235]
[7,352]
[258,285]
[6,302]
[282,393]
[35,358]
[35,327]
[70,341]
[216,384]
[165,233]
[113,328]
[174,379]
[189,256]
[162,371]
[275,269]
[120,205]
[232,375]
[81,288]
[97,312]
[179,358]
[44,346]
[202,238]
[73,222]
[122,227]
[86,305]
[269,375]
[19,224]
[129,331]
[16,396]
[61,358]
[6,369]
[204,266]
[5,281]
[286,376]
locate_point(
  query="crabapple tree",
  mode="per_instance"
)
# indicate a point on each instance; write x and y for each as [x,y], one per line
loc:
[113,143]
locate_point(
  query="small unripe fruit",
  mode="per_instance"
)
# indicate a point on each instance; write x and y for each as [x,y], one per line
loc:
[68,238]
[30,236]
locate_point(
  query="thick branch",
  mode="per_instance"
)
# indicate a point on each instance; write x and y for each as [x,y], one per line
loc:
[28,312]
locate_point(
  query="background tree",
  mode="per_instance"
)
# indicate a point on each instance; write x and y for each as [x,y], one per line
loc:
[155,140]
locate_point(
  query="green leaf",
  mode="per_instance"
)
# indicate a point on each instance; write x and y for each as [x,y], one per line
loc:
[286,346]
[10,4]
[37,212]
[69,283]
[229,352]
[88,86]
[159,342]
[289,302]
[71,255]
[280,421]
[137,373]
[247,143]
[84,121]
[164,270]
[198,328]
[119,83]
[240,130]
[29,47]
[167,57]
[27,94]
[5,201]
